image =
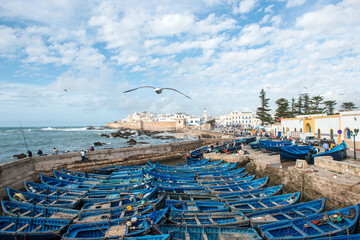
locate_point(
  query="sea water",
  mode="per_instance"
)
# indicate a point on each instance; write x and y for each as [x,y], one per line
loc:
[65,139]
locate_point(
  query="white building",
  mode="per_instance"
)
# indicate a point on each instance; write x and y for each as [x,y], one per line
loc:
[241,119]
[337,127]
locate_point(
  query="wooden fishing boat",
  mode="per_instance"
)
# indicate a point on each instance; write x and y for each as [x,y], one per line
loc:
[252,205]
[209,219]
[191,197]
[110,169]
[207,183]
[115,229]
[336,222]
[109,204]
[17,228]
[84,174]
[230,177]
[250,194]
[287,213]
[96,196]
[133,210]
[150,237]
[40,199]
[54,182]
[294,152]
[180,232]
[197,207]
[259,183]
[67,177]
[273,146]
[191,169]
[168,177]
[225,173]
[341,237]
[15,209]
[54,191]
[200,163]
[337,153]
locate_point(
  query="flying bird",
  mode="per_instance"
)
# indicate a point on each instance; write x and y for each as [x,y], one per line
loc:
[65,90]
[158,90]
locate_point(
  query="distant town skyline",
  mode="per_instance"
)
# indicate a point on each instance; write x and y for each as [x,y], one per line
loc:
[66,63]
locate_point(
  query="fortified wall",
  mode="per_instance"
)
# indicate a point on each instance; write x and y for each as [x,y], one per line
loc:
[176,125]
[13,174]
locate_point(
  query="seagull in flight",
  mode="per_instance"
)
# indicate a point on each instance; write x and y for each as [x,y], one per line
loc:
[158,90]
[65,90]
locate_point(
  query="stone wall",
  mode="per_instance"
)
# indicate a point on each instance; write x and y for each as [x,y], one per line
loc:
[13,174]
[176,125]
[313,183]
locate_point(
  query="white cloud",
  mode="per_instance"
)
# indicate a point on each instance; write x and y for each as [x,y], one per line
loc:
[245,6]
[294,3]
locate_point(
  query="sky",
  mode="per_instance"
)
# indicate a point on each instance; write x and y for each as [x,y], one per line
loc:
[219,52]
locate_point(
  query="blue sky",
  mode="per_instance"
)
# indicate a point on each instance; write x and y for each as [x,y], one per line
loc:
[220,52]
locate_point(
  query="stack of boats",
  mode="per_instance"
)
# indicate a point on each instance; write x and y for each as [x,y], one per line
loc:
[290,151]
[200,199]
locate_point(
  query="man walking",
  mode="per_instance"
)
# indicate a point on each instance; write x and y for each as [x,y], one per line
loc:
[83,155]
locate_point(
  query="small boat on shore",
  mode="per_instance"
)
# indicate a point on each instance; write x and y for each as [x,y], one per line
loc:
[253,205]
[17,228]
[273,146]
[42,200]
[287,213]
[210,219]
[16,209]
[335,222]
[250,194]
[294,152]
[337,153]
[197,207]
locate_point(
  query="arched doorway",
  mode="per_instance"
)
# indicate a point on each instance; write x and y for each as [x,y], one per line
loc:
[307,127]
[319,133]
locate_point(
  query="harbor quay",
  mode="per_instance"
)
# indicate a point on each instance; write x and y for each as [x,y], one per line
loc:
[338,181]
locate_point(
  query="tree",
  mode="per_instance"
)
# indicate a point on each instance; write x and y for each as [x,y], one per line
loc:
[282,110]
[330,106]
[299,105]
[316,101]
[211,122]
[347,106]
[306,103]
[293,107]
[262,111]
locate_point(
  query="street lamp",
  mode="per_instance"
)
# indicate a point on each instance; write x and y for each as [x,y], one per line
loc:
[354,134]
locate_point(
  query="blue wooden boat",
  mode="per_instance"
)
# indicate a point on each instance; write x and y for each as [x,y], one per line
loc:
[253,205]
[49,190]
[255,145]
[84,174]
[259,183]
[207,183]
[337,153]
[133,210]
[341,237]
[210,219]
[179,197]
[150,237]
[335,222]
[239,174]
[250,194]
[231,173]
[92,196]
[67,177]
[197,207]
[287,213]
[40,199]
[108,170]
[54,182]
[18,228]
[109,204]
[115,229]
[199,163]
[168,177]
[294,152]
[15,209]
[181,232]
[273,146]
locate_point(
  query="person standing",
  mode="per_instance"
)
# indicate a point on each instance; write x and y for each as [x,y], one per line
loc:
[326,146]
[29,153]
[55,151]
[83,155]
[40,152]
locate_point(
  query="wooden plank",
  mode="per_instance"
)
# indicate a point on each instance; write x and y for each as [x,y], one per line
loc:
[25,213]
[117,230]
[37,228]
[38,215]
[8,226]
[22,228]
[197,220]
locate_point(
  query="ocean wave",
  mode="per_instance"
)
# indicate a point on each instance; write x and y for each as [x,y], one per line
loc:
[64,129]
[17,130]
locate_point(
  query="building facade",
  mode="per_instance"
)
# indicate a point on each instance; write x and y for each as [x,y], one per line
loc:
[340,127]
[239,119]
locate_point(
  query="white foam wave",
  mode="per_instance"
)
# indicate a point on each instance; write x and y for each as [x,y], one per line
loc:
[64,129]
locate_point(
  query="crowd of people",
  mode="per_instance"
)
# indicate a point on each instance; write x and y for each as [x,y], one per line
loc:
[55,152]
